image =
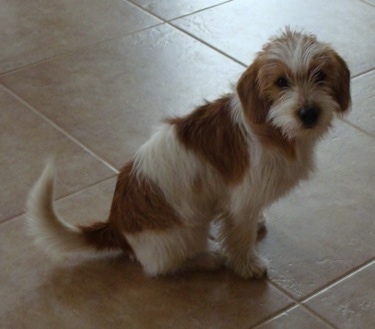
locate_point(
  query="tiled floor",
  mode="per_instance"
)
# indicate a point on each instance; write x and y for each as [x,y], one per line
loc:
[88,79]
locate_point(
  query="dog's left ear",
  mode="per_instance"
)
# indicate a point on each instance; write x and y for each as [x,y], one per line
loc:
[341,88]
[250,94]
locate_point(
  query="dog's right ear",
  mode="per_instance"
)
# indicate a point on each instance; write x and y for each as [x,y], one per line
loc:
[250,94]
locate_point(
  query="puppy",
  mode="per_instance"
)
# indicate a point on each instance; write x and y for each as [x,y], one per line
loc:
[226,161]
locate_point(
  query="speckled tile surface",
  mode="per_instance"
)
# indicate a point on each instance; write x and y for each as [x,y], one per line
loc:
[88,81]
[239,28]
[172,9]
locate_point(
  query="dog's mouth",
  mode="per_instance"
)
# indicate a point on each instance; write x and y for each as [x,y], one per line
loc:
[309,119]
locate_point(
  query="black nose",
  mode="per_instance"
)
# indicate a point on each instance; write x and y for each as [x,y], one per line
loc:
[308,115]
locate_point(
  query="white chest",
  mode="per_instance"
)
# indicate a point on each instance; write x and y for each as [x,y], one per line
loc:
[273,175]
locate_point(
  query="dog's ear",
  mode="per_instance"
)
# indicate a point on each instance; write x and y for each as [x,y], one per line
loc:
[341,88]
[249,92]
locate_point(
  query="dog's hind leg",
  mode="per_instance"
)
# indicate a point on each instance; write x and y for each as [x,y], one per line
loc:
[207,260]
[174,250]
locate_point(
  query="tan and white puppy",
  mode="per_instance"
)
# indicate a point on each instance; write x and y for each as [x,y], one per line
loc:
[226,161]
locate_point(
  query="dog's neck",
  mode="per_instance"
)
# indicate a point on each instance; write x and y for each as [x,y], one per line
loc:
[271,138]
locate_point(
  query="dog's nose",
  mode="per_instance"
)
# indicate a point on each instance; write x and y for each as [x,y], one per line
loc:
[309,115]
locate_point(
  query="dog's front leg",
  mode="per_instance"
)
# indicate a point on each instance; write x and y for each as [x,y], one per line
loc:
[238,237]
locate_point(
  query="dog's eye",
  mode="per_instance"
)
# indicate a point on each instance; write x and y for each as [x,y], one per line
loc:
[319,76]
[282,82]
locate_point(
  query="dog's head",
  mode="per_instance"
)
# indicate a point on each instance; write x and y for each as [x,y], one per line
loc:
[295,85]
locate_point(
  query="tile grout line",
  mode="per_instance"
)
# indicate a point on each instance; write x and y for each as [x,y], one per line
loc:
[301,302]
[85,188]
[278,315]
[318,316]
[338,280]
[357,127]
[367,3]
[150,12]
[296,303]
[274,316]
[360,74]
[170,23]
[208,44]
[75,51]
[163,21]
[283,290]
[200,10]
[329,285]
[68,195]
[72,52]
[60,129]
[147,11]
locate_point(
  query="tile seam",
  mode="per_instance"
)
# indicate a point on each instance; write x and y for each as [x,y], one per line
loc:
[338,280]
[61,198]
[318,316]
[146,11]
[368,3]
[207,44]
[360,74]
[200,10]
[170,23]
[297,303]
[329,285]
[312,314]
[177,17]
[75,51]
[354,126]
[274,315]
[60,129]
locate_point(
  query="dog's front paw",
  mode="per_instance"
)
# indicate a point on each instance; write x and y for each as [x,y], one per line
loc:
[253,268]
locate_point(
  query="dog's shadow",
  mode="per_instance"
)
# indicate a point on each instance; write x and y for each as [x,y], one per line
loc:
[115,290]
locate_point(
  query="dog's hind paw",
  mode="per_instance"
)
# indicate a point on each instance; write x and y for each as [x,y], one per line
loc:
[208,261]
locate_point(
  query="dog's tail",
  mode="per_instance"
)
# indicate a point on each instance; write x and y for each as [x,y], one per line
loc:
[55,235]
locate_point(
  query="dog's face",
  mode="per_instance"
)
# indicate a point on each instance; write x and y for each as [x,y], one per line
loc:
[295,85]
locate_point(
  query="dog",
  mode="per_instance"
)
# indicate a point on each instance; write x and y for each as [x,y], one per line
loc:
[225,162]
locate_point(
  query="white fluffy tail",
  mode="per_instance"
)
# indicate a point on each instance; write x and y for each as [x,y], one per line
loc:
[49,231]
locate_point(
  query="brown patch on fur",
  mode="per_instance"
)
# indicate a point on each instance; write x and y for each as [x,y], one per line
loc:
[248,88]
[210,132]
[272,137]
[197,185]
[256,91]
[102,236]
[341,85]
[337,76]
[139,204]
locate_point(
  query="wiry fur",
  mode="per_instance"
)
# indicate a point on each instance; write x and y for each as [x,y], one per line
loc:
[226,161]
[49,230]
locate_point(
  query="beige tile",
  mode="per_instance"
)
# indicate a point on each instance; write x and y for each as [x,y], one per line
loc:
[26,142]
[363,92]
[39,29]
[323,229]
[172,9]
[110,292]
[240,28]
[88,206]
[349,303]
[109,97]
[296,317]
